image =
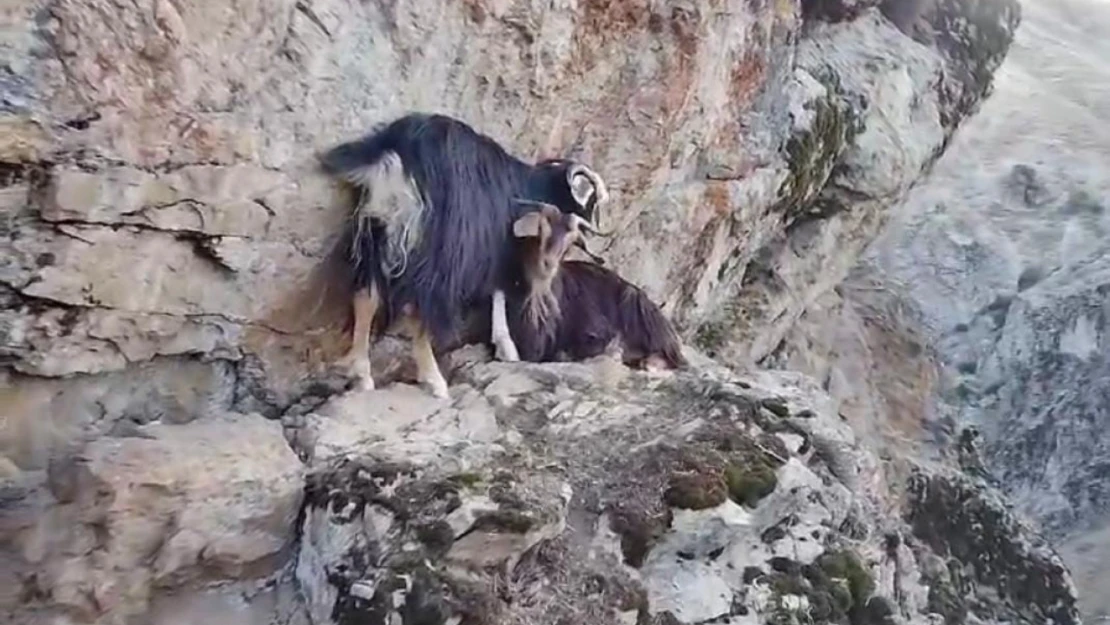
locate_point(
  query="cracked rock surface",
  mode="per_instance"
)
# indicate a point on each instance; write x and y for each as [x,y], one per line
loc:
[1004,253]
[561,493]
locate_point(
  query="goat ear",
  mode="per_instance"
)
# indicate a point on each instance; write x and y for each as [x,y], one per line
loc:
[528,225]
[581,188]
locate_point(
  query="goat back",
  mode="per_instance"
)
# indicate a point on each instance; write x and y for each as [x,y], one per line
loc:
[627,311]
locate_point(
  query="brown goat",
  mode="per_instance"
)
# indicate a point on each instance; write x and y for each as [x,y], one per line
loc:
[560,309]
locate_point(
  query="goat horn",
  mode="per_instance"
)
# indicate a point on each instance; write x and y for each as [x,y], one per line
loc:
[599,185]
[589,227]
[527,202]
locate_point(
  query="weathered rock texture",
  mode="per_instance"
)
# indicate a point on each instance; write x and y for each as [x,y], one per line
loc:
[1003,253]
[163,211]
[163,292]
[562,493]
[164,507]
[584,493]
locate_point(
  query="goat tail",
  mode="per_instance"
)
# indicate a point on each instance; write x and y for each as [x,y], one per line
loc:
[352,159]
[648,330]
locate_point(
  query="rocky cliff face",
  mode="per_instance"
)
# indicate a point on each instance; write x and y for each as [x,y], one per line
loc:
[165,218]
[1003,251]
[164,304]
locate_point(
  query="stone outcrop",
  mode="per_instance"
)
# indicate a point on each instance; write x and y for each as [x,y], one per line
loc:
[957,516]
[1002,252]
[138,513]
[575,492]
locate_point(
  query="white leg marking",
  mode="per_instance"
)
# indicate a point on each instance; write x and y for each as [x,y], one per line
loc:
[656,366]
[502,340]
[358,367]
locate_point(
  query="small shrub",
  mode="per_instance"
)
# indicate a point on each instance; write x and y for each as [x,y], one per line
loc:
[749,483]
[696,490]
[466,480]
[845,565]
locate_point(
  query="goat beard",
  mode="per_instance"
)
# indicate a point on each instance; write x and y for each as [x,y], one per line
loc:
[541,310]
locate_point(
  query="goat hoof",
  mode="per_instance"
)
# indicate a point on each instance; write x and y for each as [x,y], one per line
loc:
[654,366]
[359,370]
[439,392]
[506,352]
[437,387]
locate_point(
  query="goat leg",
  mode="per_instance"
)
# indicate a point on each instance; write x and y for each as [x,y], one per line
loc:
[504,347]
[427,369]
[357,360]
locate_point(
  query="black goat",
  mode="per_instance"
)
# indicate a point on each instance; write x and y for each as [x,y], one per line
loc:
[571,309]
[431,235]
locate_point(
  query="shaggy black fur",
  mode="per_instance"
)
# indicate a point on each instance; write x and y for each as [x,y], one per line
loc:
[595,307]
[468,183]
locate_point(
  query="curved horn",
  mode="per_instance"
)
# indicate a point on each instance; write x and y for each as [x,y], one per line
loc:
[578,169]
[581,224]
[537,204]
[586,226]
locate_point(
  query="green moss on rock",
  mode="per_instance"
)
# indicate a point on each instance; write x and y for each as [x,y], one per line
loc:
[812,155]
[837,586]
[787,584]
[844,564]
[714,334]
[776,405]
[466,479]
[696,490]
[710,337]
[750,482]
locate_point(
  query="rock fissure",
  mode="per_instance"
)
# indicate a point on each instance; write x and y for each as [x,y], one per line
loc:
[39,302]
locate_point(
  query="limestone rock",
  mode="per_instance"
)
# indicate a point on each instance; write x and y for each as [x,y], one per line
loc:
[403,423]
[956,516]
[171,507]
[21,139]
[540,492]
[578,518]
[1001,256]
[836,10]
